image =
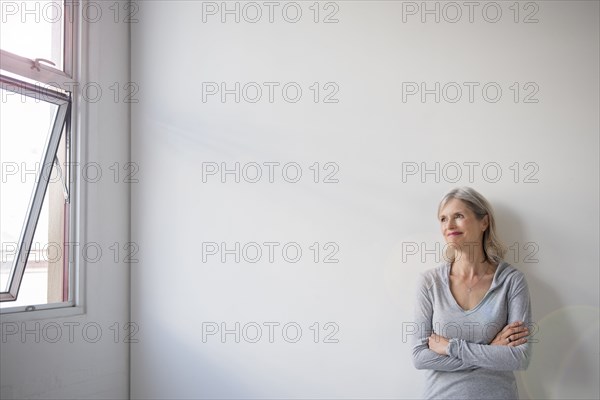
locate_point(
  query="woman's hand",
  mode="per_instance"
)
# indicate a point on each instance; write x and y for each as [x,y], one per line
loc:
[438,343]
[512,335]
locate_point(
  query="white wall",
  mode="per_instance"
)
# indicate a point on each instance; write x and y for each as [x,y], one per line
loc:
[373,214]
[83,362]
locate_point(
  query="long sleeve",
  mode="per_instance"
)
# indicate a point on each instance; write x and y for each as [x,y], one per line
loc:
[500,358]
[421,329]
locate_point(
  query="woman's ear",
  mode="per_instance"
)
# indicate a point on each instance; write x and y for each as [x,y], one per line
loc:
[486,222]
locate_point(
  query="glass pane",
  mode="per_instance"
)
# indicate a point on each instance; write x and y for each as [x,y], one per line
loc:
[24,127]
[34,285]
[33,29]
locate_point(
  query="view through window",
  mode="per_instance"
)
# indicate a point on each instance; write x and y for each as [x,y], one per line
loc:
[35,153]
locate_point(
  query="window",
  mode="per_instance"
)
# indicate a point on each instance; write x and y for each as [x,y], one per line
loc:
[37,113]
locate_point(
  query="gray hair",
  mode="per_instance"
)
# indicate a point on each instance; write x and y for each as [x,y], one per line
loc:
[493,249]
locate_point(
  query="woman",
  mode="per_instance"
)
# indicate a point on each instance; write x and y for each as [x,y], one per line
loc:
[473,311]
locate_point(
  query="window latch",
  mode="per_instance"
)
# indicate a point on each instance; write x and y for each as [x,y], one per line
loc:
[62,179]
[36,63]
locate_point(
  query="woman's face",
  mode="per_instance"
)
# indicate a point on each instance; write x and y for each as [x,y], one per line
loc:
[460,225]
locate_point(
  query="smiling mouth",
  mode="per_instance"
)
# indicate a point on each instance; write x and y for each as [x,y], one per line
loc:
[455,234]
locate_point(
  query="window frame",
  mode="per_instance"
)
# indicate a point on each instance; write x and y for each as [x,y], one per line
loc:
[63,101]
[23,69]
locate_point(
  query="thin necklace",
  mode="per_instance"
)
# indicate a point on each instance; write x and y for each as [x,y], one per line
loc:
[469,289]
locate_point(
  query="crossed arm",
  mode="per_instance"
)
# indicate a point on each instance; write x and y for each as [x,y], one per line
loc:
[433,351]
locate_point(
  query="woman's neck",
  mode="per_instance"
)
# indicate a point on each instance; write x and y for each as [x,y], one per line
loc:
[470,265]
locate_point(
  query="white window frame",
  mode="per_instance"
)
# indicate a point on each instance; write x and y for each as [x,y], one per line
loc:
[74,56]
[60,124]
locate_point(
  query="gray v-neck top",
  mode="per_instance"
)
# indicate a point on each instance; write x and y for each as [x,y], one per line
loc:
[473,369]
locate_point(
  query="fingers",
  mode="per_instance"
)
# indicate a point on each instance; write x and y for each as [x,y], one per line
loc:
[517,342]
[513,325]
[434,336]
[517,335]
[513,328]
